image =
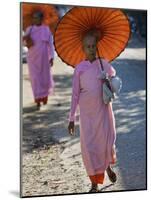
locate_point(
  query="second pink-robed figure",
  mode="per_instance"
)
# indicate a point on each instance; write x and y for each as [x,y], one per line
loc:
[38,59]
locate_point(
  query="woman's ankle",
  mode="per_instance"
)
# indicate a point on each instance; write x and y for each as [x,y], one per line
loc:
[94,185]
[38,104]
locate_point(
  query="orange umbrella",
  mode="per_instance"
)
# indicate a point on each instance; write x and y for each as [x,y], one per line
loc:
[111,26]
[50,14]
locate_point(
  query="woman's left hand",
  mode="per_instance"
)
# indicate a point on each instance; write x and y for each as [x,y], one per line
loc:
[71,128]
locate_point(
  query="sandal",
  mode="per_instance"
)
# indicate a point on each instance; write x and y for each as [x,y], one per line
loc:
[38,106]
[111,174]
[94,189]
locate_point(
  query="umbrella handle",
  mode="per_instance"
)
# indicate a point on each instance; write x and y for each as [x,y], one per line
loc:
[100,60]
[106,79]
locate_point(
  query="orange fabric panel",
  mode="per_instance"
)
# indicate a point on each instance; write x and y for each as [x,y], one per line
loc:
[43,100]
[98,178]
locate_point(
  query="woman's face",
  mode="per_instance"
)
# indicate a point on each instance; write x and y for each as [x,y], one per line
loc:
[37,18]
[89,47]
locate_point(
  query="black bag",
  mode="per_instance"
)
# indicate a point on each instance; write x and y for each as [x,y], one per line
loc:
[28,41]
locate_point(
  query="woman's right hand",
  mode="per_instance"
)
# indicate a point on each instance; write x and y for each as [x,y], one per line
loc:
[71,128]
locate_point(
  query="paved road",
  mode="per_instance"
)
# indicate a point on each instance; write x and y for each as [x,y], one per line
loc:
[52,162]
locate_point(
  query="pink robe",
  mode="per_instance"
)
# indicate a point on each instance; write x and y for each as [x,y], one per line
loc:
[38,58]
[97,123]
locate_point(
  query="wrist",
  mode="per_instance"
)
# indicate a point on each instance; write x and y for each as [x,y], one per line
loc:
[71,118]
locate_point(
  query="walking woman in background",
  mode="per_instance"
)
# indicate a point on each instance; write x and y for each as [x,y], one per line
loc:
[39,40]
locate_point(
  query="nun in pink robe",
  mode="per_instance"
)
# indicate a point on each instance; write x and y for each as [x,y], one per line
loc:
[97,123]
[38,59]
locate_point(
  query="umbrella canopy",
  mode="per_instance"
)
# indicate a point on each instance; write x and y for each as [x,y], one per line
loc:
[110,25]
[51,17]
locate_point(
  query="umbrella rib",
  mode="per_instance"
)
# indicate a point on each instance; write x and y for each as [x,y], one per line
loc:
[108,47]
[85,19]
[70,42]
[71,24]
[107,32]
[95,16]
[100,15]
[76,20]
[73,52]
[95,11]
[113,27]
[64,31]
[114,17]
[121,31]
[117,53]
[79,51]
[91,16]
[88,17]
[111,45]
[60,34]
[103,17]
[69,55]
[63,36]
[62,55]
[66,25]
[64,45]
[112,42]
[104,24]
[115,38]
[71,38]
[102,47]
[116,26]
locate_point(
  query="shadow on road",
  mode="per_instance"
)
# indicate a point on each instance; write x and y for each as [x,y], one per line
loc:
[130,115]
[39,127]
